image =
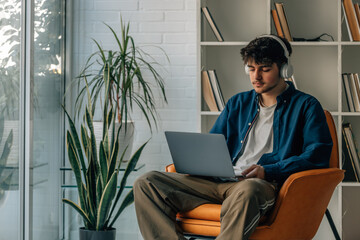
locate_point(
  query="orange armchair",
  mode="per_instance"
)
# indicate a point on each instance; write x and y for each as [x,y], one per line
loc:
[298,211]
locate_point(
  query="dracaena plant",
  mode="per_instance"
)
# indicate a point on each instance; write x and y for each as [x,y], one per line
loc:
[97,172]
[125,68]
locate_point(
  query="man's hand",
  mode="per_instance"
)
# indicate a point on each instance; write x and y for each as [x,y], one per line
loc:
[254,171]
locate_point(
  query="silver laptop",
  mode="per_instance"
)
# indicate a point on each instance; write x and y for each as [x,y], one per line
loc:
[200,154]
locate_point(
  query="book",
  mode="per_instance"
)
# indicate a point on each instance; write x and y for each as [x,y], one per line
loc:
[354,92]
[212,23]
[216,89]
[283,20]
[351,20]
[348,96]
[207,92]
[357,12]
[351,144]
[348,164]
[277,23]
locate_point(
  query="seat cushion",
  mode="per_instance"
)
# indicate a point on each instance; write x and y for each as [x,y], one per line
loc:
[207,212]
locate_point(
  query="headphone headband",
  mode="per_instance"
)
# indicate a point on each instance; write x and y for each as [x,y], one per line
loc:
[286,51]
[286,70]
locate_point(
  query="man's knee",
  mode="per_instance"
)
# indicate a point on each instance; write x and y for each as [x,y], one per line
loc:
[143,181]
[248,190]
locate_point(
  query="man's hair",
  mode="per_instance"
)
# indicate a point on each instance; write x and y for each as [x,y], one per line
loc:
[266,50]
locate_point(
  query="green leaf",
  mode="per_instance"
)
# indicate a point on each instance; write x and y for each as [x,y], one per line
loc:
[103,164]
[76,141]
[130,167]
[75,165]
[105,202]
[79,210]
[129,199]
[93,141]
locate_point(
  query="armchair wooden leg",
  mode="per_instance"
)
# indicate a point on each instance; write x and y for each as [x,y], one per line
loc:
[332,225]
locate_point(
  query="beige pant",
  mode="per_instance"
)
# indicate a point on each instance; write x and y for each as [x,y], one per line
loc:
[160,195]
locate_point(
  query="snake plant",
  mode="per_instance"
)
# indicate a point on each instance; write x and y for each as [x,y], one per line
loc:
[96,171]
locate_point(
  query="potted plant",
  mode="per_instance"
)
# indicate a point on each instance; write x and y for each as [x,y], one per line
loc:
[125,69]
[96,172]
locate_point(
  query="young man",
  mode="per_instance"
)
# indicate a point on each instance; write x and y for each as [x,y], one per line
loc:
[271,131]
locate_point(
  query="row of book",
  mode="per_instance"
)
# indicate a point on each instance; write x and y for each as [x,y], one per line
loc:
[280,21]
[351,160]
[211,91]
[351,82]
[352,19]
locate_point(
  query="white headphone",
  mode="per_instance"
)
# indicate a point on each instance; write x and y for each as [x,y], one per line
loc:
[286,70]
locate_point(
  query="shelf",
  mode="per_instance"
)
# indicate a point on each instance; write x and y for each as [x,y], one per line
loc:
[228,43]
[350,184]
[350,113]
[122,167]
[208,113]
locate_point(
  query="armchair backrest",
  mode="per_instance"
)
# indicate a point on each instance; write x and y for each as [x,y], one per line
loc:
[334,158]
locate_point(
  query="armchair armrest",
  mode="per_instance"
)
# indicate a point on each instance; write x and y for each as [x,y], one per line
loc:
[318,186]
[170,168]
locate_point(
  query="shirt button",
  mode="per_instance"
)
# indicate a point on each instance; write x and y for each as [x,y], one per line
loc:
[241,141]
[249,124]
[284,101]
[258,109]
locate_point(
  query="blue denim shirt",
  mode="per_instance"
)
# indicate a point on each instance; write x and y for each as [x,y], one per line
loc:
[302,139]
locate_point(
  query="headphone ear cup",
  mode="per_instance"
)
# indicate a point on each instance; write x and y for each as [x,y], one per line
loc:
[247,69]
[286,71]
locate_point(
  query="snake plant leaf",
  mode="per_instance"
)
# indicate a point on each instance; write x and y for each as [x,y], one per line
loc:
[113,159]
[85,140]
[105,202]
[99,190]
[76,141]
[78,209]
[129,199]
[89,122]
[103,164]
[106,125]
[91,186]
[75,165]
[130,167]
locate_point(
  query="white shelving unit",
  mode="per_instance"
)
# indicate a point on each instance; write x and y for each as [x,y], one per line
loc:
[318,68]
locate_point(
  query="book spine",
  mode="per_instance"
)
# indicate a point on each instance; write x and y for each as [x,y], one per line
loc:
[351,19]
[283,20]
[354,92]
[352,147]
[216,89]
[348,92]
[212,24]
[207,92]
[348,161]
[277,23]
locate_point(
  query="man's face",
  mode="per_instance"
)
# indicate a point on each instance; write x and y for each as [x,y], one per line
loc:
[263,77]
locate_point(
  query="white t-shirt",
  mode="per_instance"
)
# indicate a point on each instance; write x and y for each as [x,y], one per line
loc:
[259,141]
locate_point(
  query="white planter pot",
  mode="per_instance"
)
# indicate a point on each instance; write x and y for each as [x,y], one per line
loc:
[125,139]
